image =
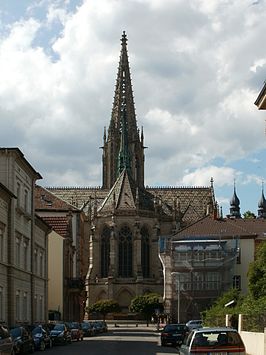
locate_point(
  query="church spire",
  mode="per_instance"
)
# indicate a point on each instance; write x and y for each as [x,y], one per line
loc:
[123,156]
[235,205]
[262,205]
[112,153]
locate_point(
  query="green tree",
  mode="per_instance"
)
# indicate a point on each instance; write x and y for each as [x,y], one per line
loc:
[257,274]
[104,307]
[146,305]
[215,315]
[249,215]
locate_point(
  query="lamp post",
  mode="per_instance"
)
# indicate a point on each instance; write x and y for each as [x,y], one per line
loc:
[178,294]
[178,300]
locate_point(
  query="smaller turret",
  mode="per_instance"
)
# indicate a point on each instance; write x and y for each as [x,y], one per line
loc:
[235,205]
[262,205]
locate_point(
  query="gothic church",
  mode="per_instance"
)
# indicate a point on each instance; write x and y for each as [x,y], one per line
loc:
[124,217]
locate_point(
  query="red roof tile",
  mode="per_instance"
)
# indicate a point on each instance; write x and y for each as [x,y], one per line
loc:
[58,224]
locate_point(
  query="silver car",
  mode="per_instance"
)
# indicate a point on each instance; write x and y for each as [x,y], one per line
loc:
[6,343]
[213,341]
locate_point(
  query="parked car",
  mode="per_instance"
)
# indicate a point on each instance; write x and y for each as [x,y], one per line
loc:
[41,337]
[194,324]
[88,329]
[60,334]
[99,326]
[75,330]
[6,343]
[173,334]
[22,340]
[213,341]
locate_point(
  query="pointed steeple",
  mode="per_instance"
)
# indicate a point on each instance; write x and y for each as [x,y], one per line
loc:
[235,205]
[124,155]
[262,205]
[125,123]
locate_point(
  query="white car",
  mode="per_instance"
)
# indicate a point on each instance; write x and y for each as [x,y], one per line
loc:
[213,341]
[194,324]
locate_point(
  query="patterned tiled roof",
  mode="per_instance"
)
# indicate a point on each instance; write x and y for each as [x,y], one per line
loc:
[46,200]
[124,196]
[59,224]
[193,201]
[238,227]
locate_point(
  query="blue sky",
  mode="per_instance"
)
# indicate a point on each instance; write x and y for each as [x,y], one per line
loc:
[197,67]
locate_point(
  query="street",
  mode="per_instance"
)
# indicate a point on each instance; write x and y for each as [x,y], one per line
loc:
[116,342]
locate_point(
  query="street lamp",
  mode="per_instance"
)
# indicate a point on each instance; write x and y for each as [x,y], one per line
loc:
[178,295]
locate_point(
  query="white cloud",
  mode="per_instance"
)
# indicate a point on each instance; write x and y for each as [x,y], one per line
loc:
[197,67]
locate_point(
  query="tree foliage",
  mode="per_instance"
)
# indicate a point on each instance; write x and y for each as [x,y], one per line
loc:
[104,307]
[146,304]
[257,274]
[215,315]
[249,215]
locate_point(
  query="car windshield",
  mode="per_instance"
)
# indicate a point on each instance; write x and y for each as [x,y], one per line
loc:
[213,339]
[37,330]
[59,327]
[16,332]
[174,327]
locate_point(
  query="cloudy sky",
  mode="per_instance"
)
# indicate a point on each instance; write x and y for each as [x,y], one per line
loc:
[197,66]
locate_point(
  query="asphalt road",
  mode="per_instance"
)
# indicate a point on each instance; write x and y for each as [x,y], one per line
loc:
[116,342]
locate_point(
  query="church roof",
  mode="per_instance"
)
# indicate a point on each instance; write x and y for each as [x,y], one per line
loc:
[46,200]
[125,196]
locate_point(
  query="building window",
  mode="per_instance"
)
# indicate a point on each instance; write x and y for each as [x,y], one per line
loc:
[41,263]
[18,306]
[40,316]
[18,194]
[18,250]
[237,282]
[35,258]
[238,257]
[105,251]
[26,200]
[125,252]
[213,281]
[198,281]
[35,308]
[145,252]
[1,244]
[25,255]
[1,304]
[25,306]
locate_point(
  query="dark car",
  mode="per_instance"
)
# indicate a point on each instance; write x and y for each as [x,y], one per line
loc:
[88,329]
[60,334]
[213,341]
[22,340]
[75,330]
[173,334]
[6,343]
[41,337]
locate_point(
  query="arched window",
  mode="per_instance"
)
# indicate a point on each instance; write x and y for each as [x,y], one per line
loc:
[105,251]
[145,252]
[125,252]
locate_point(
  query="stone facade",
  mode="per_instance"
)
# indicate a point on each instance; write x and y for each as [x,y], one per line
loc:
[24,254]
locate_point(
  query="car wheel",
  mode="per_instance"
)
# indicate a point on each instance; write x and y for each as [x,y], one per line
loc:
[50,344]
[32,349]
[42,346]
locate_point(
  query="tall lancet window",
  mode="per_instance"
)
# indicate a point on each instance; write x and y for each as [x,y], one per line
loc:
[125,252]
[105,251]
[145,252]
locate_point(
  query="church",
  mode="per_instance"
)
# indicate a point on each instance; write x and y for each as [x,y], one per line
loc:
[125,218]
